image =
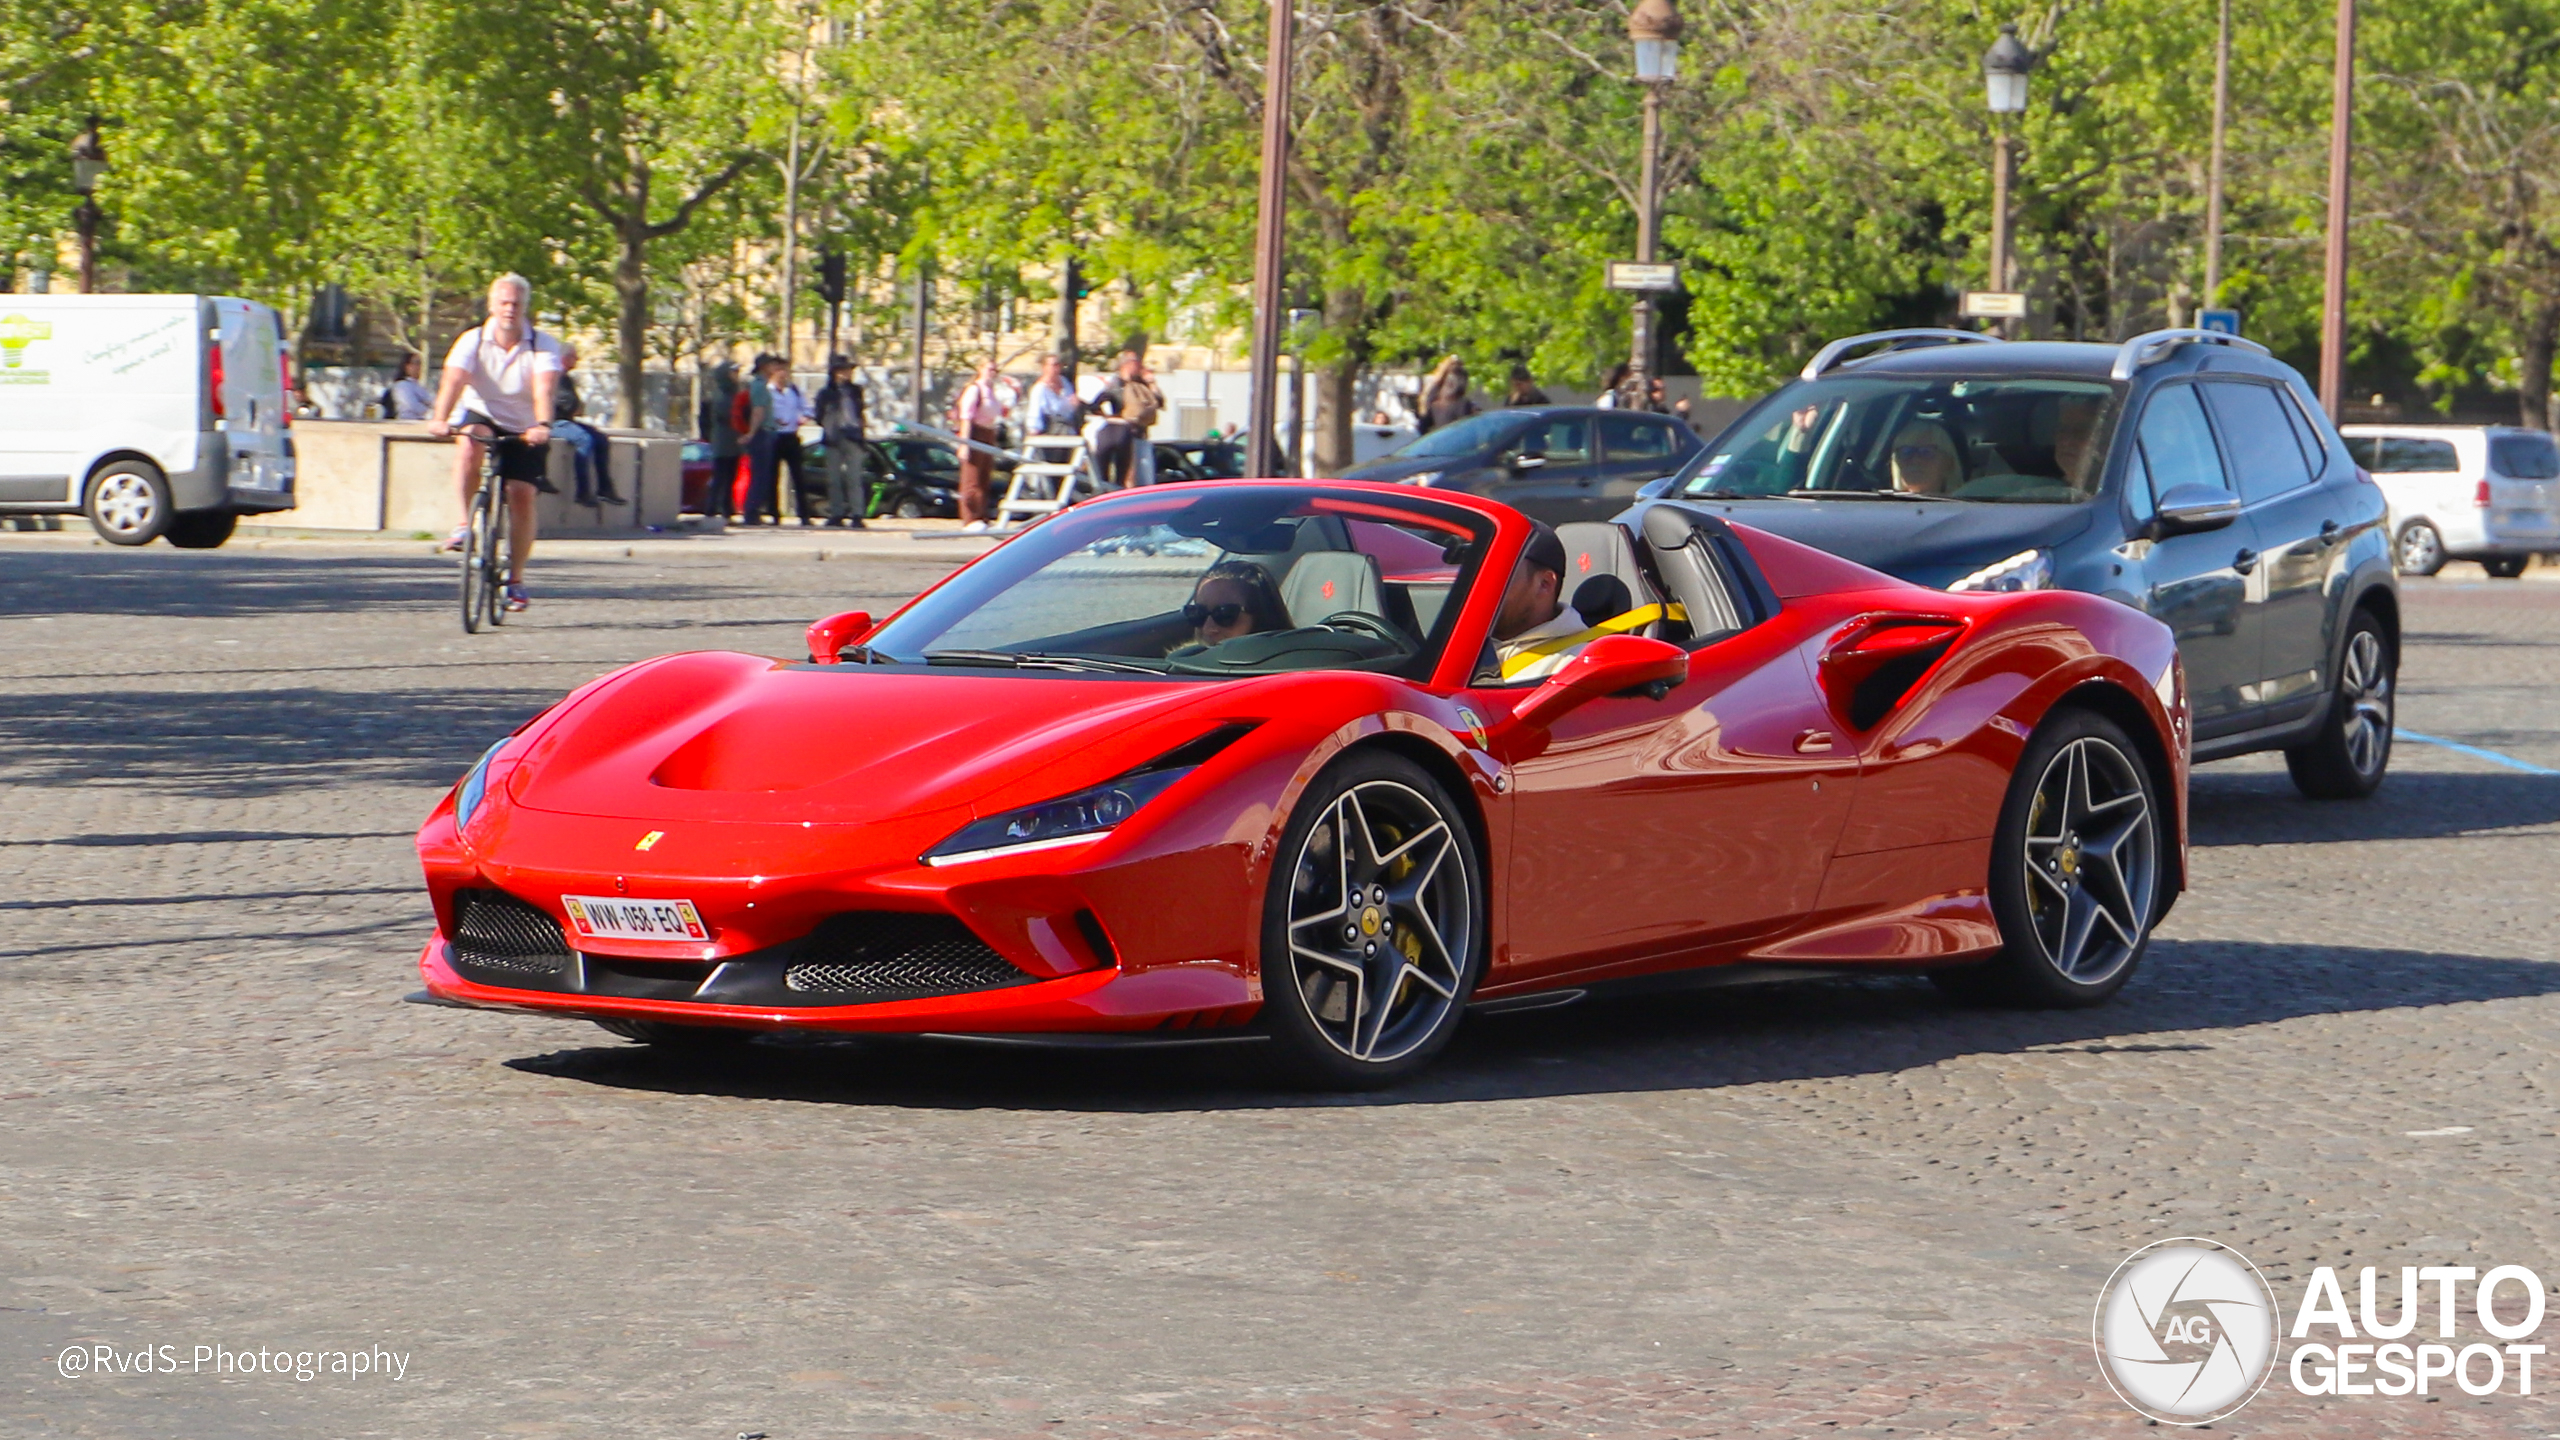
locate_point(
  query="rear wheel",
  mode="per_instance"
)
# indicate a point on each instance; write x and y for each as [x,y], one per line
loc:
[129,503]
[2506,567]
[909,508]
[2346,760]
[1373,934]
[2421,549]
[2075,870]
[202,529]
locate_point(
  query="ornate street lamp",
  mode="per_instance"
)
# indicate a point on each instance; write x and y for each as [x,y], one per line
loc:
[2004,74]
[88,164]
[1654,26]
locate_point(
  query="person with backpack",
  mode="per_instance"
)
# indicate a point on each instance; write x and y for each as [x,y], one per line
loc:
[751,414]
[978,414]
[721,433]
[1132,403]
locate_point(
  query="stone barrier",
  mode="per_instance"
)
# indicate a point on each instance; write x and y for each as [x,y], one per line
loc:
[392,476]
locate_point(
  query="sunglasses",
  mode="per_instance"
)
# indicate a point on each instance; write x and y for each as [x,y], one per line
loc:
[1196,615]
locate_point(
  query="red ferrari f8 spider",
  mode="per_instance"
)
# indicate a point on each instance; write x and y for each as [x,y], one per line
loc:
[1238,760]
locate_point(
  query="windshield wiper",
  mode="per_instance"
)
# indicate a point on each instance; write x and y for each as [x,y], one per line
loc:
[1863,495]
[1036,660]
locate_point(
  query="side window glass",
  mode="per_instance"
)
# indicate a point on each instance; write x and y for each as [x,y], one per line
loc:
[2257,439]
[2366,450]
[2137,490]
[2177,444]
[1632,437]
[1564,440]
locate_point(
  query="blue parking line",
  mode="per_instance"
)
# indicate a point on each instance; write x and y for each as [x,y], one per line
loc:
[2492,756]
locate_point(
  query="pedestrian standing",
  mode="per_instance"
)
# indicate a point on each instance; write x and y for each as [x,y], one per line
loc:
[1130,403]
[1054,409]
[587,452]
[840,423]
[1610,390]
[1524,391]
[407,399]
[1445,400]
[978,412]
[719,497]
[790,411]
[759,505]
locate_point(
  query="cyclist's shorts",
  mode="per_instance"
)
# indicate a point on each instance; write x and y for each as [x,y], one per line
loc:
[517,460]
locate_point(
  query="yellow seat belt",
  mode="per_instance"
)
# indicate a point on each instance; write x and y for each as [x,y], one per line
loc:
[1635,619]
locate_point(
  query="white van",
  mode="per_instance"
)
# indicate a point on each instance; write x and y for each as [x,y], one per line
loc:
[2464,492]
[151,414]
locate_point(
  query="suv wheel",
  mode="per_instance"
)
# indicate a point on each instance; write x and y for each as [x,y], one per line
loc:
[2421,549]
[129,503]
[2347,758]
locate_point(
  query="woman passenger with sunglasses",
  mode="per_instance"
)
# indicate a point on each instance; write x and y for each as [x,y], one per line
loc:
[1235,597]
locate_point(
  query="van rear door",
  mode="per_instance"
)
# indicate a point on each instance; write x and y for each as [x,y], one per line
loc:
[253,415]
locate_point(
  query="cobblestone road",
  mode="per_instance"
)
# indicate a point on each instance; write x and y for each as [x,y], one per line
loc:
[1825,1208]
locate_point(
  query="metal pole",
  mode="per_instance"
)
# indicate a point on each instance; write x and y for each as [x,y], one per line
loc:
[2333,297]
[1648,195]
[791,243]
[2213,179]
[85,220]
[1070,280]
[924,310]
[1270,245]
[2000,210]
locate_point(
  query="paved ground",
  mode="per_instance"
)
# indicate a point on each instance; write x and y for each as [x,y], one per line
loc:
[1827,1208]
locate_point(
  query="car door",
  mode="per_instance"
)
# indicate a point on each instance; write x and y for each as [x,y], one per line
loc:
[1558,487]
[2300,540]
[1635,448]
[2203,585]
[1650,829]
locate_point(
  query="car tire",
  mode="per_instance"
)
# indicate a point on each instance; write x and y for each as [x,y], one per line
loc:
[202,529]
[679,1039]
[2078,870]
[908,508]
[2421,549]
[129,503]
[1398,909]
[2506,567]
[2352,752]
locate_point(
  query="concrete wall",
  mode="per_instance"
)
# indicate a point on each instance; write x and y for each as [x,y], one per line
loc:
[371,475]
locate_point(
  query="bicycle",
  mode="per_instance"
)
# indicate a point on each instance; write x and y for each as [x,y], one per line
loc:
[484,551]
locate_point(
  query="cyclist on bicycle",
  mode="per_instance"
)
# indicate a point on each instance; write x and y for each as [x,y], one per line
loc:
[501,375]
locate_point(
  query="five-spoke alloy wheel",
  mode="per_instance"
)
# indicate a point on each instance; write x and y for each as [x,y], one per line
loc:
[2347,758]
[2076,876]
[1373,934]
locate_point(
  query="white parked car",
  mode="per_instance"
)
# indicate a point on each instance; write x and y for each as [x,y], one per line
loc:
[2464,492]
[151,414]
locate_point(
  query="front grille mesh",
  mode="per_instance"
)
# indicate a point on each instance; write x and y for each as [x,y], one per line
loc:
[494,930]
[881,955]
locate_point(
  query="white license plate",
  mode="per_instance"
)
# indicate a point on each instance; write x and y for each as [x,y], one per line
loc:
[597,917]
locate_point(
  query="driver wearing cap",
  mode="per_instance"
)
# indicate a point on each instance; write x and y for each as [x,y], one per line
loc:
[1535,632]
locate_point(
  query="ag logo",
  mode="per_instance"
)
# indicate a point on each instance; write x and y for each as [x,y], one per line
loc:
[2186,1331]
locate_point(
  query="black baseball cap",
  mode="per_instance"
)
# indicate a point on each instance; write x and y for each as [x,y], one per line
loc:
[1544,550]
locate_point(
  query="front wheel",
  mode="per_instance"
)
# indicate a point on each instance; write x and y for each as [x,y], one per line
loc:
[2506,567]
[2075,870]
[2347,758]
[1373,934]
[909,508]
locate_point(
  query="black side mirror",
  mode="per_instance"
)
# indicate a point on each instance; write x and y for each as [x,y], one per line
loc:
[2189,509]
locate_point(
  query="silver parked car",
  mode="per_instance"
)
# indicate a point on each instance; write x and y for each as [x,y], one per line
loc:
[2464,492]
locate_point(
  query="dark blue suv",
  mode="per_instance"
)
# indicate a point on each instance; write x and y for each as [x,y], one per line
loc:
[2185,473]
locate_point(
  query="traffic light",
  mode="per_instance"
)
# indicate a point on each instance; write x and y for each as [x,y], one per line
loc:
[831,277]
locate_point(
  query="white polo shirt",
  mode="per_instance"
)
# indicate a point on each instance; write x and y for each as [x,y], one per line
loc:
[499,382]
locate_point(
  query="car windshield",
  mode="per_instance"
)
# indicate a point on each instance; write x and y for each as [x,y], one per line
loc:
[1466,437]
[1232,581]
[1913,438]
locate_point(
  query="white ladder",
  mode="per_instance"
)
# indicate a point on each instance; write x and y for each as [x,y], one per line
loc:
[1047,484]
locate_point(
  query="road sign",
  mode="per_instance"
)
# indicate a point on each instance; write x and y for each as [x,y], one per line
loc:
[2226,321]
[1993,305]
[1629,275]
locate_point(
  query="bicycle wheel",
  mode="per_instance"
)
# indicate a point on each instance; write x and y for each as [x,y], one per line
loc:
[475,550]
[493,595]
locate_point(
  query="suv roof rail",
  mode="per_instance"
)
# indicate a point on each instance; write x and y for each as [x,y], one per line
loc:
[2143,350]
[1829,357]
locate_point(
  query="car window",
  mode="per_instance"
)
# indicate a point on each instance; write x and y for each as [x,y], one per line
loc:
[1633,437]
[2524,457]
[2027,440]
[2257,440]
[1466,437]
[1563,439]
[2402,455]
[2137,490]
[2177,444]
[2316,437]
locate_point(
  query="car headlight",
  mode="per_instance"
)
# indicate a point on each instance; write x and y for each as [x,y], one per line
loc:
[466,797]
[2026,570]
[1085,815]
[1427,477]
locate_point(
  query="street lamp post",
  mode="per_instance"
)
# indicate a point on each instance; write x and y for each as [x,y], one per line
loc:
[88,163]
[1270,246]
[1654,26]
[2004,76]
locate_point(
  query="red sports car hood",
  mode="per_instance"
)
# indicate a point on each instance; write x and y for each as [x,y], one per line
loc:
[720,736]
